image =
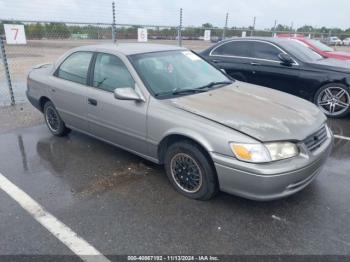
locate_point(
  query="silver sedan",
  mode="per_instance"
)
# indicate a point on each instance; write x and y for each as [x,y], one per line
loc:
[168,105]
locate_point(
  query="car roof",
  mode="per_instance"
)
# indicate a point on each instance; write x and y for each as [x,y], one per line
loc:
[275,40]
[130,48]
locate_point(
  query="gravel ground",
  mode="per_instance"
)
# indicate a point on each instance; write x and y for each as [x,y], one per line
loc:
[21,115]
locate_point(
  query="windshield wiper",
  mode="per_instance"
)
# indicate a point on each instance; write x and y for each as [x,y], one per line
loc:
[201,89]
[177,91]
[212,84]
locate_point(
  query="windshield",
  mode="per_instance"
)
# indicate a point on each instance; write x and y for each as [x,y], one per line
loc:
[301,51]
[167,72]
[320,45]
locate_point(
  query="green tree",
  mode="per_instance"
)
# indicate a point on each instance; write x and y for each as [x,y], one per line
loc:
[282,28]
[57,30]
[306,28]
[1,29]
[35,31]
[207,25]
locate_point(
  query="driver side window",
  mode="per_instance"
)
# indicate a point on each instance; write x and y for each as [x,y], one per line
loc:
[110,73]
[266,51]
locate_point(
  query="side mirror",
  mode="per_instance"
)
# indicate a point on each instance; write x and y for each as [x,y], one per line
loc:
[127,93]
[286,59]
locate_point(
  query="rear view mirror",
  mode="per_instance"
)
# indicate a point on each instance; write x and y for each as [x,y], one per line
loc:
[127,93]
[286,59]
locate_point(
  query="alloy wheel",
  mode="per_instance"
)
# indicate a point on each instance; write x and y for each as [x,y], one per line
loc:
[186,173]
[52,119]
[333,100]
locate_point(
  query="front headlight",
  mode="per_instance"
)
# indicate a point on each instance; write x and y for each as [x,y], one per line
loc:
[261,153]
[282,150]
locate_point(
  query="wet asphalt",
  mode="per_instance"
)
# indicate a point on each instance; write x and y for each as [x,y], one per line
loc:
[122,204]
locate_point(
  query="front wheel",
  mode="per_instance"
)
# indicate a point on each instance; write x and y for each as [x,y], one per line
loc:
[333,100]
[190,171]
[54,121]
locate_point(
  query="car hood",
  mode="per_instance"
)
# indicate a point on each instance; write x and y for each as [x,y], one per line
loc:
[332,64]
[262,113]
[339,54]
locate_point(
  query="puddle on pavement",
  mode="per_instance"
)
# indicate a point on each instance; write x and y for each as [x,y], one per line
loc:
[92,167]
[118,178]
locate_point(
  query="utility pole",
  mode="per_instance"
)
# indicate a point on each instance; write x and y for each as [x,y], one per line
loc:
[274,28]
[314,32]
[252,31]
[225,28]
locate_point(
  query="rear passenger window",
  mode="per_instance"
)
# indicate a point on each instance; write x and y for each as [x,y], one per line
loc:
[75,67]
[266,51]
[111,73]
[234,48]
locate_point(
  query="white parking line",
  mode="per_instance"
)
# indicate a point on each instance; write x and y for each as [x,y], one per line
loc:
[62,232]
[342,137]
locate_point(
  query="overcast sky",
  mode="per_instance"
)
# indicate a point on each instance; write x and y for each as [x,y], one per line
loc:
[334,13]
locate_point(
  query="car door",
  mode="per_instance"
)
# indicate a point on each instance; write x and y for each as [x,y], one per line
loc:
[269,71]
[234,58]
[68,89]
[122,122]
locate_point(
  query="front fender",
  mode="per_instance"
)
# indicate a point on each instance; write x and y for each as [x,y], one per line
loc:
[165,120]
[347,81]
[191,134]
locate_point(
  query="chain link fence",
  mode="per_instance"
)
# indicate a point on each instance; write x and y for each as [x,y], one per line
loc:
[45,43]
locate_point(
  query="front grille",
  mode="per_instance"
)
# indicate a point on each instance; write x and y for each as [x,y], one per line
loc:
[315,140]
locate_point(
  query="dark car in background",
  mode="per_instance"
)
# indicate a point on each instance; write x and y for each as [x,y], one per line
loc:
[288,66]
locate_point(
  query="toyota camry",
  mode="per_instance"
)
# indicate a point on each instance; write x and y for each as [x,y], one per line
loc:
[168,105]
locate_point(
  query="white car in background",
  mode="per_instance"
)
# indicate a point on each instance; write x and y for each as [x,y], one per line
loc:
[346,41]
[333,40]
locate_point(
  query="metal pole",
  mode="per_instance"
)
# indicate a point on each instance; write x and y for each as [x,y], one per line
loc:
[274,28]
[252,31]
[314,32]
[114,29]
[225,28]
[7,71]
[179,29]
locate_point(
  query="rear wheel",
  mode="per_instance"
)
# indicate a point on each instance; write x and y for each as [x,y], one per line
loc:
[54,121]
[334,100]
[190,171]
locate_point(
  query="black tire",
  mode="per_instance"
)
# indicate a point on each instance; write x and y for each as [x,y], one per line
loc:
[189,150]
[54,121]
[326,99]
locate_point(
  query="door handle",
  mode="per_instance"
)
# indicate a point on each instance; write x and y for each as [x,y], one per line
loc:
[254,64]
[92,101]
[216,61]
